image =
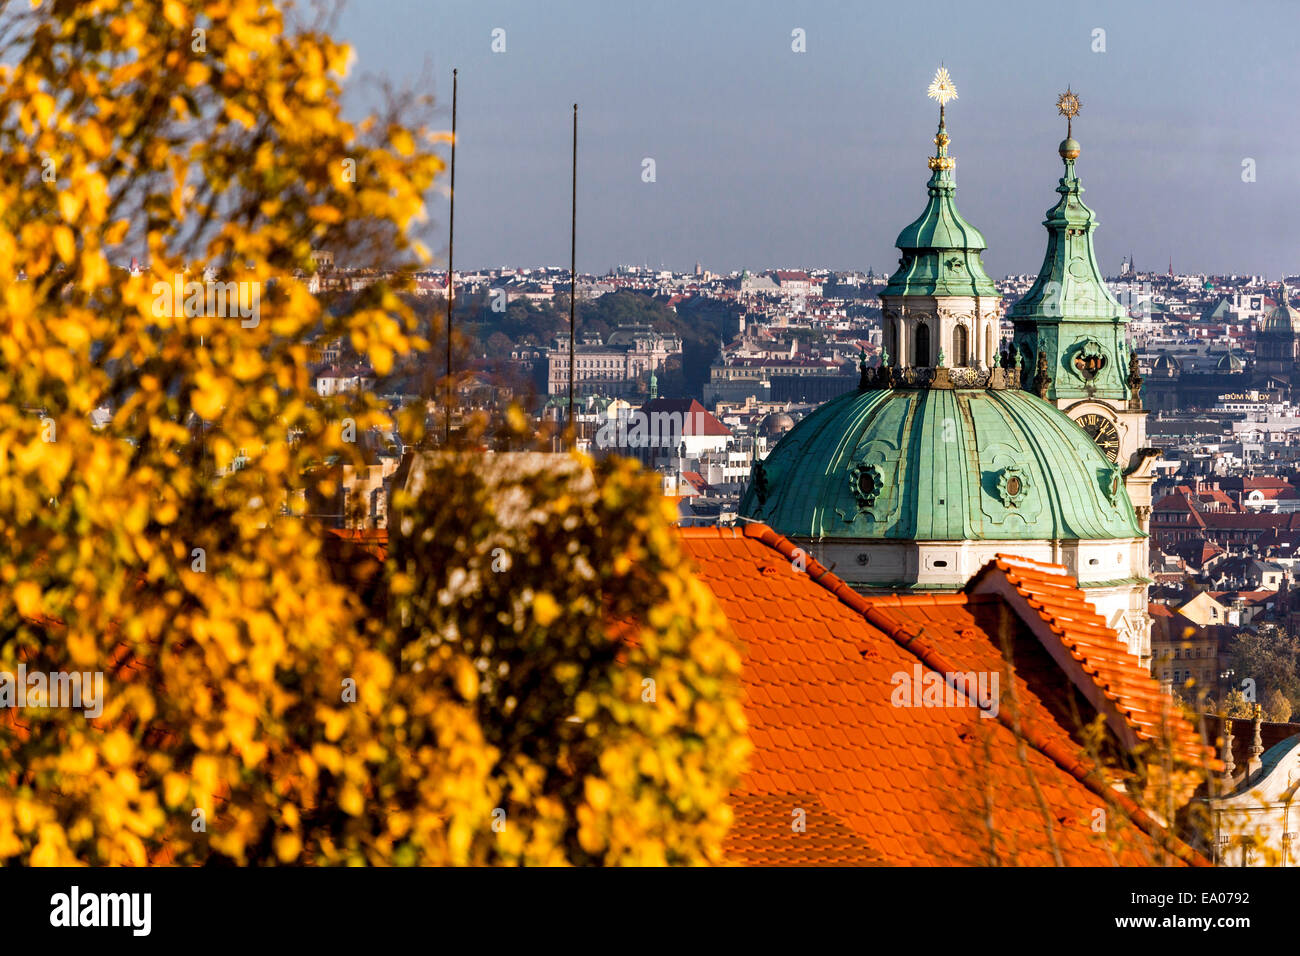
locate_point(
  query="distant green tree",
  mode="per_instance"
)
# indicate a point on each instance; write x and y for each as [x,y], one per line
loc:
[1276,706]
[1235,705]
[1269,657]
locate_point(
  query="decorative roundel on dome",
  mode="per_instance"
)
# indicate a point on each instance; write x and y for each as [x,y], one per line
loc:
[1110,484]
[1013,486]
[865,481]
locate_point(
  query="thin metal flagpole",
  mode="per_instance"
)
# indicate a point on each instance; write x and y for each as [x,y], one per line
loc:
[451,241]
[573,274]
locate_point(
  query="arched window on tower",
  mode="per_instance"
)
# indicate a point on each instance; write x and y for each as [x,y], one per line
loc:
[960,346]
[921,356]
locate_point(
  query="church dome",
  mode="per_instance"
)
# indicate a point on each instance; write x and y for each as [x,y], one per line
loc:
[1231,362]
[1284,319]
[940,249]
[776,424]
[1168,364]
[940,226]
[940,464]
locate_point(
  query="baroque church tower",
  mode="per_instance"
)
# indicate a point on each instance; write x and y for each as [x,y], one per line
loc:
[1071,339]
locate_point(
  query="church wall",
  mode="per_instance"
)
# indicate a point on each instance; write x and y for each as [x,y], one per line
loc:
[1112,573]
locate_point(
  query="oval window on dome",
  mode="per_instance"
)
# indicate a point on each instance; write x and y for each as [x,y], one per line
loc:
[866,484]
[1013,486]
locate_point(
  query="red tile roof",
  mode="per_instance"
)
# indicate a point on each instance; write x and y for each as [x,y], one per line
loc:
[694,418]
[1133,694]
[696,481]
[921,785]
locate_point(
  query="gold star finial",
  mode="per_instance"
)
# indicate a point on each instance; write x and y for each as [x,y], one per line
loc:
[941,88]
[1067,104]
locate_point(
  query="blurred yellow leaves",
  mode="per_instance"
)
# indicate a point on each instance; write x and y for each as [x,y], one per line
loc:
[590,770]
[209,395]
[65,244]
[403,143]
[288,847]
[135,548]
[27,597]
[545,610]
[161,546]
[175,14]
[466,679]
[351,800]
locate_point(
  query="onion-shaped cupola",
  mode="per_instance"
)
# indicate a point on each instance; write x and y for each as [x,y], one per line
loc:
[940,307]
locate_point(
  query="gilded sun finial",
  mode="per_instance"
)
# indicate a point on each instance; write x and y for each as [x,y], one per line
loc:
[1067,104]
[941,88]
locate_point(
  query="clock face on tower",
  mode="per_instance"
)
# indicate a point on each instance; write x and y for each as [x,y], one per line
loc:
[1102,431]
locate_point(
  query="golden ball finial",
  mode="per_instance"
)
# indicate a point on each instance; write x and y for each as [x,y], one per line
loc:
[1067,104]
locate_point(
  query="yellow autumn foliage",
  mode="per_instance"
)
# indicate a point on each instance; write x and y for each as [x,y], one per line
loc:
[606,691]
[253,710]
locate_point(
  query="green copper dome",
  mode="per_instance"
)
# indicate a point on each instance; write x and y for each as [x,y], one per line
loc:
[940,225]
[940,464]
[1284,318]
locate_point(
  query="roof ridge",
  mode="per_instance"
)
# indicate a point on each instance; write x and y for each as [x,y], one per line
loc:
[1031,562]
[706,531]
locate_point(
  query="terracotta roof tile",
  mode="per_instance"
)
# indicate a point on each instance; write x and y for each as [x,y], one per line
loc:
[908,785]
[1101,655]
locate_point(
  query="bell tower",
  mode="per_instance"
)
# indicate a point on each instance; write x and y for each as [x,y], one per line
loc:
[1071,340]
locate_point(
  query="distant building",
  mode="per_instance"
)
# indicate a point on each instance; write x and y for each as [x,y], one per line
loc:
[1184,653]
[664,430]
[793,378]
[1277,342]
[334,380]
[1204,611]
[612,368]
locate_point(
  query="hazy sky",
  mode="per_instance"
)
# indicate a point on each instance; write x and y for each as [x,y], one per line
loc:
[769,158]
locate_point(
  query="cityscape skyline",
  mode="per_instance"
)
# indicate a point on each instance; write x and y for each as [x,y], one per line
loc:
[1164,131]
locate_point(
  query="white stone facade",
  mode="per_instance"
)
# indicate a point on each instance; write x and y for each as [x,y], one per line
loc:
[1258,823]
